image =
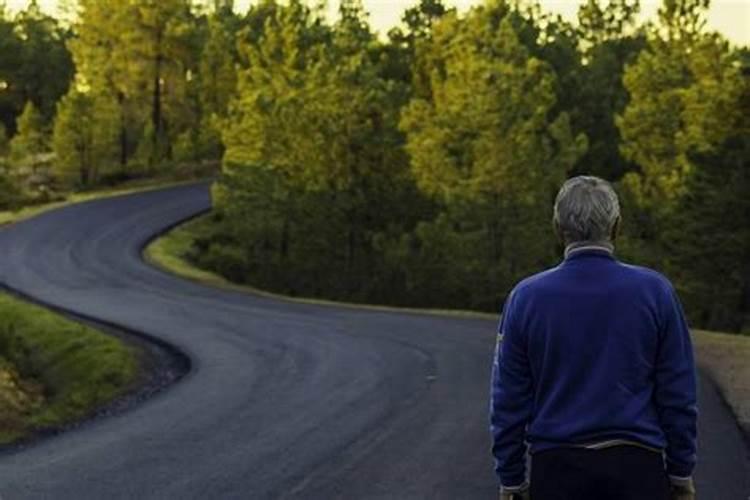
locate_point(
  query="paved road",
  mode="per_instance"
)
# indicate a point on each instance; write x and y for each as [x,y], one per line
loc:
[284,399]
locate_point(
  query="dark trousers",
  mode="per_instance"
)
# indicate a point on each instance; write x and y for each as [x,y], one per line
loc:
[615,473]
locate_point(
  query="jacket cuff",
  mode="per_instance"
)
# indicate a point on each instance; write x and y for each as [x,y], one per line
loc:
[684,483]
[514,489]
[515,480]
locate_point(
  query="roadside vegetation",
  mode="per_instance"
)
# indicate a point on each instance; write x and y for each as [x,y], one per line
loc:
[55,371]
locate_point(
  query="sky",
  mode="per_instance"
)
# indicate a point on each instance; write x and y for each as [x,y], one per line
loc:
[730,17]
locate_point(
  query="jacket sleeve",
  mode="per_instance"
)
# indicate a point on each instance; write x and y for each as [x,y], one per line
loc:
[675,391]
[511,398]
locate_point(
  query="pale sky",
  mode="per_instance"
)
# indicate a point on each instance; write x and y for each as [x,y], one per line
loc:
[730,17]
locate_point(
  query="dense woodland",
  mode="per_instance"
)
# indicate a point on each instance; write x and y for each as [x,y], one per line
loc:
[417,168]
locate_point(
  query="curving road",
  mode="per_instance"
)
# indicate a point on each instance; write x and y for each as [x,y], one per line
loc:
[283,399]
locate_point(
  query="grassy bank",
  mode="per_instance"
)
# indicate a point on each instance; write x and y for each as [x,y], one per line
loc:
[723,356]
[54,371]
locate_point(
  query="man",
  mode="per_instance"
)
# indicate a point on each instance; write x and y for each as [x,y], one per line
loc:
[593,372]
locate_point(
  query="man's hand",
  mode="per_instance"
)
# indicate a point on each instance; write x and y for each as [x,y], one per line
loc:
[521,493]
[682,490]
[682,494]
[518,496]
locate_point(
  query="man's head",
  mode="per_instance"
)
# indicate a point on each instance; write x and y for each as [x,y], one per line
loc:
[586,209]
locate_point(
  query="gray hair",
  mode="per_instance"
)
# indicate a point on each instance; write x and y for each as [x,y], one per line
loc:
[586,209]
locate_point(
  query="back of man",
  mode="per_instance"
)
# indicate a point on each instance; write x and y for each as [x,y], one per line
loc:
[595,371]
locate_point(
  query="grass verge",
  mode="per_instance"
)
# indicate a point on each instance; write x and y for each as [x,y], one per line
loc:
[54,371]
[723,356]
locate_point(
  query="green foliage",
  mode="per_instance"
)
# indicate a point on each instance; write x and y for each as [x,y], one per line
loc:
[212,88]
[709,235]
[159,35]
[608,40]
[32,137]
[313,150]
[485,133]
[35,64]
[140,53]
[84,137]
[716,203]
[103,63]
[10,193]
[683,95]
[600,24]
[685,128]
[489,147]
[217,72]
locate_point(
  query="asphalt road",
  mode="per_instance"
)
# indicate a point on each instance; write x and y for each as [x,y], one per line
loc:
[284,400]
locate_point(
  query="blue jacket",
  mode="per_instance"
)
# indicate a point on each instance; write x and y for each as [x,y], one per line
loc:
[592,350]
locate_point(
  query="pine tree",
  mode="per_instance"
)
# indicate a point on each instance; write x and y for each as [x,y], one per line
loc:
[662,121]
[84,137]
[31,138]
[266,160]
[708,235]
[104,64]
[684,127]
[217,80]
[40,67]
[159,39]
[139,52]
[487,145]
[608,40]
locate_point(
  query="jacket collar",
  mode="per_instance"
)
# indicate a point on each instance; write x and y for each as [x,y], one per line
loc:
[580,248]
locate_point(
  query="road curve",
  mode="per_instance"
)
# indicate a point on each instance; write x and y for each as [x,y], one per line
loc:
[284,400]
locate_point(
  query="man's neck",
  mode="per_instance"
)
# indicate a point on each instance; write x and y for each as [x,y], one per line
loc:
[588,245]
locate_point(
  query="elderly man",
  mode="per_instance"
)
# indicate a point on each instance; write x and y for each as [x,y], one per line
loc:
[593,372]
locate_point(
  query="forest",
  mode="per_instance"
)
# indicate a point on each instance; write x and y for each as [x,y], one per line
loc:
[415,168]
